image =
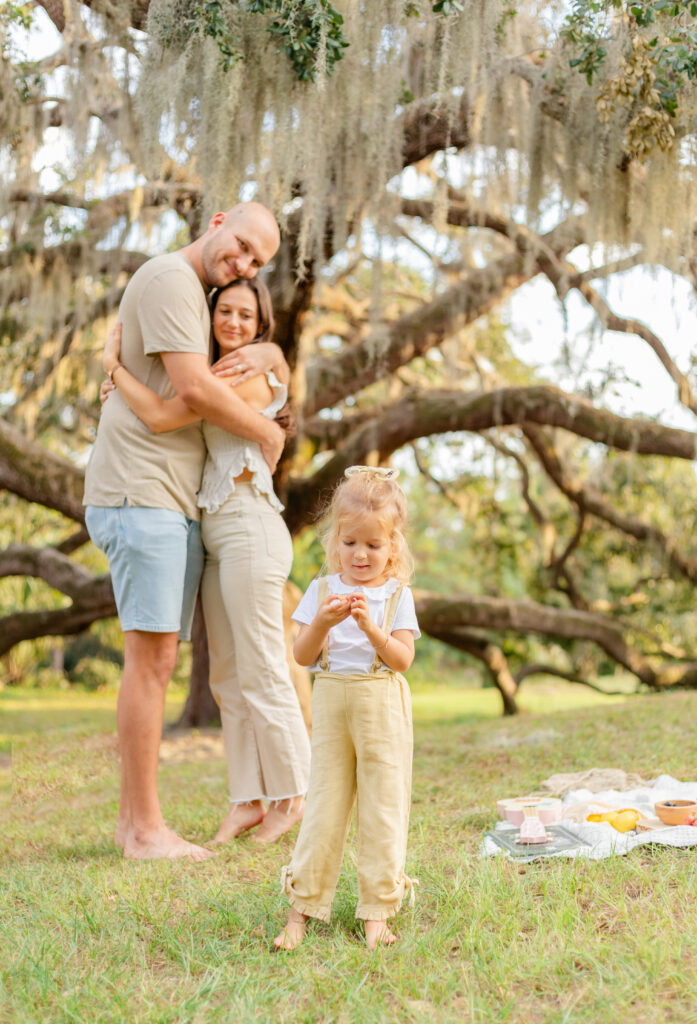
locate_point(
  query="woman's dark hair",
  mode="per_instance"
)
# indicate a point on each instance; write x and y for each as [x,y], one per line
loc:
[264,308]
[285,417]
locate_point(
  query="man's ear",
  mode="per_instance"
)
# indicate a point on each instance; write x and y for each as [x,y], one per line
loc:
[216,220]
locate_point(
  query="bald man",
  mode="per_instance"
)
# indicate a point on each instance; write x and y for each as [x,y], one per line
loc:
[140,490]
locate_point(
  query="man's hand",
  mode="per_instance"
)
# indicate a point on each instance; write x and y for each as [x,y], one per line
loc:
[249,361]
[285,418]
[105,390]
[112,349]
[272,447]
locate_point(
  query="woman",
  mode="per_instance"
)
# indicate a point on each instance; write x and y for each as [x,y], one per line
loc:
[248,558]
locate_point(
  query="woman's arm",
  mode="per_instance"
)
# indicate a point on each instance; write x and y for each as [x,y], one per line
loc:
[250,360]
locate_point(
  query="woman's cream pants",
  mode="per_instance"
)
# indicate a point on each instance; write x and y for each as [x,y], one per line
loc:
[361,750]
[248,557]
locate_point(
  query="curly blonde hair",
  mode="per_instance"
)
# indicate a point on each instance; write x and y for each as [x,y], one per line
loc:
[364,493]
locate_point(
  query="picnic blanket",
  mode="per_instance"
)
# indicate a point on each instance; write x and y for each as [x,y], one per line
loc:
[604,841]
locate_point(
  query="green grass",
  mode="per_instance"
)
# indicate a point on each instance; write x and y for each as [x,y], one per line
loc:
[87,937]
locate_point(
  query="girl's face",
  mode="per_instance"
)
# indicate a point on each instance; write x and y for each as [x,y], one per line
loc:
[364,551]
[235,318]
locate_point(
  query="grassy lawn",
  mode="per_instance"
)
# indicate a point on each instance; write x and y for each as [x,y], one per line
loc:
[86,937]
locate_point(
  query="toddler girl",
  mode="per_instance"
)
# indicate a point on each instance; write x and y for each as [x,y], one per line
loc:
[357,630]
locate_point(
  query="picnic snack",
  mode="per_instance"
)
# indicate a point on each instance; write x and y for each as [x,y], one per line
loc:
[623,820]
[675,812]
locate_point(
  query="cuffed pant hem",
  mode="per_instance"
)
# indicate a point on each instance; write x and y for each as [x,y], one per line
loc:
[366,912]
[308,910]
[377,913]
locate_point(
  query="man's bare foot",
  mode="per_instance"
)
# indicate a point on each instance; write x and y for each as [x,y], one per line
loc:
[240,818]
[280,819]
[163,844]
[378,934]
[294,931]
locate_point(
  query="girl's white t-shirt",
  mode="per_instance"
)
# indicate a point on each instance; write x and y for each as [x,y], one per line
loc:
[349,647]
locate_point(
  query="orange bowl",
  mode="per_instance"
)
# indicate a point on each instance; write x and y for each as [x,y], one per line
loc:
[674,812]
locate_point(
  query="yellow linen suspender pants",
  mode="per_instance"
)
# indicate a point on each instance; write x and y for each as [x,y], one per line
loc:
[362,747]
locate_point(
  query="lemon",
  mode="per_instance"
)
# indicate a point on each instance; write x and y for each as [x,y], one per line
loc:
[623,820]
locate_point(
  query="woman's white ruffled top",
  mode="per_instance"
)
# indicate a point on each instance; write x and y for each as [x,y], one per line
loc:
[229,455]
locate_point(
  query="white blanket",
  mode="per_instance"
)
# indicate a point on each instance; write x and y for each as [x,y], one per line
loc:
[604,840]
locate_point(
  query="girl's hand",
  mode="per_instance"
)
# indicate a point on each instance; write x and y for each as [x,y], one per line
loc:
[359,611]
[247,362]
[105,390]
[112,349]
[333,611]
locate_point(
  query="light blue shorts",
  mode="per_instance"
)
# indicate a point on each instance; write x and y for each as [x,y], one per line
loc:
[156,558]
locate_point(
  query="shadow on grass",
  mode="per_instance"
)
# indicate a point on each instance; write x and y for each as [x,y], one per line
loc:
[88,851]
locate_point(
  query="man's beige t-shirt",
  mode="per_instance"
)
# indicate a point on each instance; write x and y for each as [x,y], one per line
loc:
[163,309]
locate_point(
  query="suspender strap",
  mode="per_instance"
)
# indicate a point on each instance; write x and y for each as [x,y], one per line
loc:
[322,595]
[388,619]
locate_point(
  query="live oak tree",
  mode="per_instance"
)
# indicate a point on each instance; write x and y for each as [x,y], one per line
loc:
[487,144]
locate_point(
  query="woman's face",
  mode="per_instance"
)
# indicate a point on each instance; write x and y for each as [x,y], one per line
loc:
[235,318]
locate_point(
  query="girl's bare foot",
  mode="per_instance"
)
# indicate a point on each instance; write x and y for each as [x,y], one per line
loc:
[294,931]
[280,819]
[378,934]
[240,818]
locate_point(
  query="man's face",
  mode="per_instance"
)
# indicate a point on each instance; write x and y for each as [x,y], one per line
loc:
[238,247]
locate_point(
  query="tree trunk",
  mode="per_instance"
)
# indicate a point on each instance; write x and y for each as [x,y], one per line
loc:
[200,708]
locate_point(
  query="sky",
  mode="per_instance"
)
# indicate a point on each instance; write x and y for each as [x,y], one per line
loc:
[665,302]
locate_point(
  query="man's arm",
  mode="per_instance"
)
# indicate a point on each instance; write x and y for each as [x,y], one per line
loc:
[212,400]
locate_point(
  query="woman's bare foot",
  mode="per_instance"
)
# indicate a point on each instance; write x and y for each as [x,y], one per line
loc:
[378,934]
[294,931]
[240,818]
[280,819]
[163,844]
